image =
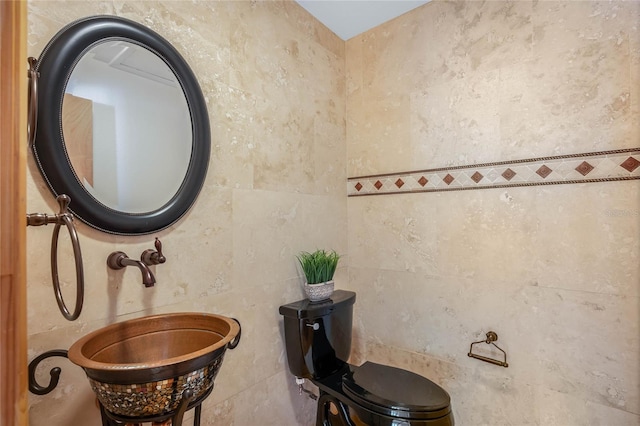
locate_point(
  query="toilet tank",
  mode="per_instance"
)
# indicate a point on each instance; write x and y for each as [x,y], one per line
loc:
[318,335]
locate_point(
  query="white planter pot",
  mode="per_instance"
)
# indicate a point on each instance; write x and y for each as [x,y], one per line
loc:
[318,292]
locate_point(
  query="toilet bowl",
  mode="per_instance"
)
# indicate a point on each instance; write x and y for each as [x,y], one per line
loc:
[318,343]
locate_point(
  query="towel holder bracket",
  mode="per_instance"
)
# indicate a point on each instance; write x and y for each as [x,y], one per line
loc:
[492,337]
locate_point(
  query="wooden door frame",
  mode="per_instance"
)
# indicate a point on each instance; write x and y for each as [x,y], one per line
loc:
[13,150]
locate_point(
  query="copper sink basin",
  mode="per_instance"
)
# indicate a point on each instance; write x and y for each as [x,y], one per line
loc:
[141,367]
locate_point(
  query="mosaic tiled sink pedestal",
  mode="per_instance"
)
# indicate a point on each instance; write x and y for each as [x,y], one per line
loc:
[155,398]
[141,368]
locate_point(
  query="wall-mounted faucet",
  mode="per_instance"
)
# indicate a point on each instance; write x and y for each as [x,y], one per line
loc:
[120,260]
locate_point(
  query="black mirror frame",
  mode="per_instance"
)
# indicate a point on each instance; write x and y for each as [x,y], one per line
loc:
[57,61]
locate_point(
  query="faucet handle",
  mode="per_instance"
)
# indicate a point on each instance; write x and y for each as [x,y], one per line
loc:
[153,257]
[159,256]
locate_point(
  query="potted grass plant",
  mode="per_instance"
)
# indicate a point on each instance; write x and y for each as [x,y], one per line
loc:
[318,268]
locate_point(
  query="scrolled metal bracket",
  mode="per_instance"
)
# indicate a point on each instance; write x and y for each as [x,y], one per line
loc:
[34,387]
[236,340]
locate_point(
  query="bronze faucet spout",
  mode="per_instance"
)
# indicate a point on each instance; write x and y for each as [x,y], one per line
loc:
[119,260]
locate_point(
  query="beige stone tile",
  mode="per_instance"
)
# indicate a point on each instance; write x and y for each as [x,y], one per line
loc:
[565,26]
[486,236]
[235,135]
[456,123]
[546,112]
[263,220]
[574,95]
[392,237]
[589,346]
[470,36]
[284,157]
[261,405]
[436,370]
[288,145]
[512,401]
[586,238]
[306,25]
[329,148]
[490,396]
[634,63]
[460,312]
[475,229]
[561,409]
[384,136]
[354,64]
[46,18]
[219,414]
[269,60]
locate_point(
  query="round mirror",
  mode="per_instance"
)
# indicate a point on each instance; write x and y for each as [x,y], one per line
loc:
[122,126]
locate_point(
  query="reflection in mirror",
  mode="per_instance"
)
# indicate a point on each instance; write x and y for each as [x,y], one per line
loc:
[126,127]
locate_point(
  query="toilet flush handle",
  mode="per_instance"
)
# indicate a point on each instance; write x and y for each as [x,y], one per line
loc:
[315,326]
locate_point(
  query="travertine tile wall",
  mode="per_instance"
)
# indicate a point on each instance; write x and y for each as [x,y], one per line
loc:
[554,270]
[273,79]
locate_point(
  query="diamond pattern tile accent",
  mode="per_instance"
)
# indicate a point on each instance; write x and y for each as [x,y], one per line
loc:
[543,171]
[630,164]
[604,166]
[584,168]
[508,174]
[476,177]
[448,179]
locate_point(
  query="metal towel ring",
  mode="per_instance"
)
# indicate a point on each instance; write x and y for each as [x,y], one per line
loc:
[68,221]
[63,218]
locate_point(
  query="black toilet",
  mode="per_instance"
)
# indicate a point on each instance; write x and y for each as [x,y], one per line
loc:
[318,340]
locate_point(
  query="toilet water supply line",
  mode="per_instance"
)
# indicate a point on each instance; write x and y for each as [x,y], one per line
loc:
[64,217]
[301,389]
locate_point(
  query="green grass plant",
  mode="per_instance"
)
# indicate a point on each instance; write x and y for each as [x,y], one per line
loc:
[319,266]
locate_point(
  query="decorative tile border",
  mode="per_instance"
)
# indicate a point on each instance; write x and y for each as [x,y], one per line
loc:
[604,166]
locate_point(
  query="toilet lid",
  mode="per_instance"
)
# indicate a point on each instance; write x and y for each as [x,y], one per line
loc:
[397,392]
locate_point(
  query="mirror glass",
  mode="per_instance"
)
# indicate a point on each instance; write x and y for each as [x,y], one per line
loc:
[126,127]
